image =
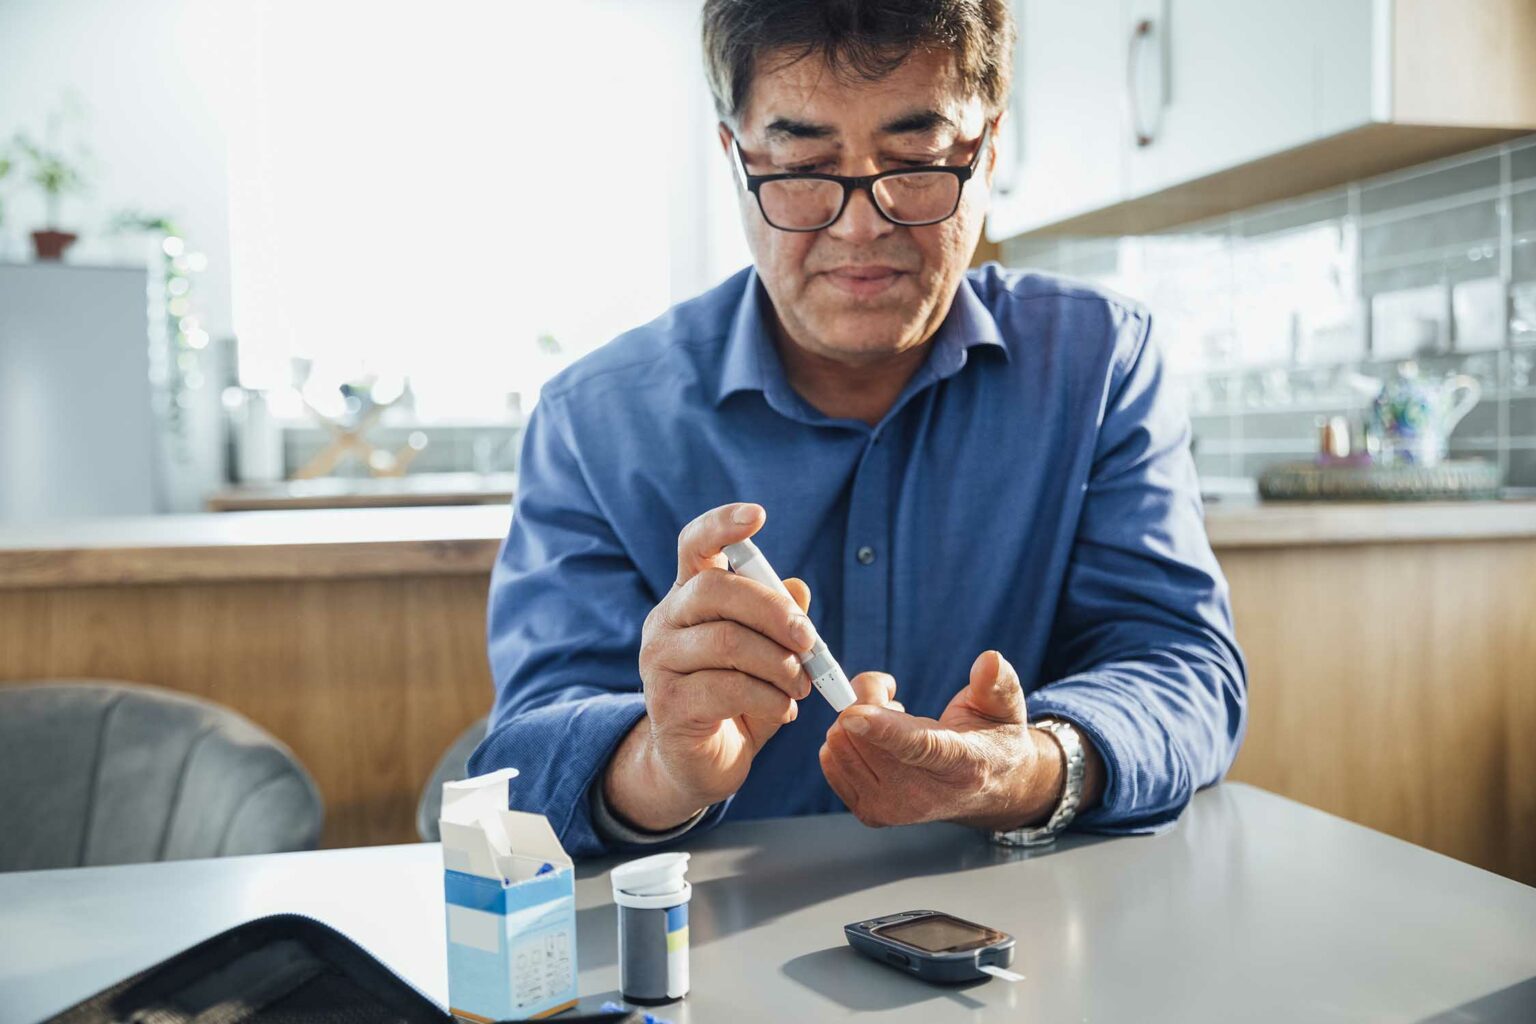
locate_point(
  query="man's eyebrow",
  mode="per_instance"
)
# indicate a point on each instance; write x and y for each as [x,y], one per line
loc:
[781,128]
[913,122]
[918,121]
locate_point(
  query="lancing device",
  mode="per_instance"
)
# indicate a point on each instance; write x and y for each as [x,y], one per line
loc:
[826,674]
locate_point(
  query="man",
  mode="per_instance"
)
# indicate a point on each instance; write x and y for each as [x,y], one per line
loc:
[979,474]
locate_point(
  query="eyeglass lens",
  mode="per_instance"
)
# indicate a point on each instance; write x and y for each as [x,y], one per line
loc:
[917,198]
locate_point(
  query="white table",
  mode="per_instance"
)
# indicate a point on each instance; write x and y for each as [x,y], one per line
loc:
[1253,908]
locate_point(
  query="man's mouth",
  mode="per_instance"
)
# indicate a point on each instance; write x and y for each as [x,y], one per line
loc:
[863,281]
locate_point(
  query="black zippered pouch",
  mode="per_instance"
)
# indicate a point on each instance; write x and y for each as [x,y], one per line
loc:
[283,969]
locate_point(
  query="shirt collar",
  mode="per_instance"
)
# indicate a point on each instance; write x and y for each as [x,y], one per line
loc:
[752,363]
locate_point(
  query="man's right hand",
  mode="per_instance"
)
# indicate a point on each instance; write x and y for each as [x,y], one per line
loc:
[720,672]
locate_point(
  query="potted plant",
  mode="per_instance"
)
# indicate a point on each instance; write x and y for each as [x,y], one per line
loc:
[51,171]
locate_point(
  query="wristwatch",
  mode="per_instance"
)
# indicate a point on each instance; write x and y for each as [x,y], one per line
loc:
[1071,743]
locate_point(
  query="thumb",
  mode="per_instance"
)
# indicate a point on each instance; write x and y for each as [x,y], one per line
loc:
[995,690]
[800,592]
[917,742]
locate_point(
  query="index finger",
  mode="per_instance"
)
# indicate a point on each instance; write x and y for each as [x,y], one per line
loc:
[701,542]
[877,688]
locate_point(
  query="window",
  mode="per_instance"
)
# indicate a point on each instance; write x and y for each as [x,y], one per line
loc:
[427,191]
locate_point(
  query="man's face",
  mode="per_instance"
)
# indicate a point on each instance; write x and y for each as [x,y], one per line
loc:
[863,288]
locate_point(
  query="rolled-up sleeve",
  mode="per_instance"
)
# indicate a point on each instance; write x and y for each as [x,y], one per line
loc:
[566,608]
[1143,657]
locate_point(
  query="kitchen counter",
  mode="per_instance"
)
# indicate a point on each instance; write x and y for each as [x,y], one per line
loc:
[1255,524]
[413,489]
[362,543]
[289,544]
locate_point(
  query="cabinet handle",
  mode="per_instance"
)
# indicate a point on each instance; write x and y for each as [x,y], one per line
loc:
[1145,134]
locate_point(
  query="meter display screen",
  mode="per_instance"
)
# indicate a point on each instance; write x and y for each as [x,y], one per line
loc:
[939,933]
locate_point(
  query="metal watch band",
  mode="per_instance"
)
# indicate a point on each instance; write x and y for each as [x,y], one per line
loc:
[1071,743]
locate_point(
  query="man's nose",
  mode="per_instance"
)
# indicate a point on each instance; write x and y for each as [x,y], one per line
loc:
[860,221]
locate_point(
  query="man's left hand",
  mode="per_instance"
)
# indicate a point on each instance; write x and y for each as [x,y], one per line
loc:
[979,764]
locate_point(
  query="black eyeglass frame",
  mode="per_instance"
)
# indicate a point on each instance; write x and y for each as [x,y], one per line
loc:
[754,182]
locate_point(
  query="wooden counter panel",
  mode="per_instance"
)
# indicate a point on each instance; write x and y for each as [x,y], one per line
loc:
[368,681]
[1395,686]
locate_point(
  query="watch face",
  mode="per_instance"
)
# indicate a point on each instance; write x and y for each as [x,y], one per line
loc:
[939,933]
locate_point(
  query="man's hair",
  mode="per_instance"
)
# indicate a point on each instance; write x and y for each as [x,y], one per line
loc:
[859,39]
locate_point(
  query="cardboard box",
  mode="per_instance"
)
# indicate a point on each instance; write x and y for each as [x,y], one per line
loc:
[509,891]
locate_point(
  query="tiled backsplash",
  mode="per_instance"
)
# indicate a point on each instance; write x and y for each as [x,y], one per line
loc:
[1275,316]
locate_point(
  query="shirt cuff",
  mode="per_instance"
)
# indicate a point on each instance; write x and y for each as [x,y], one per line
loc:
[614,832]
[1100,726]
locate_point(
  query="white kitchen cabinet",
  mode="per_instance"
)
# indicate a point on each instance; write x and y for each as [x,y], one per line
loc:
[1136,115]
[1223,82]
[1068,84]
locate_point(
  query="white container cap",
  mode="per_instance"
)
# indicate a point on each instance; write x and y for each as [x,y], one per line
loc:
[652,883]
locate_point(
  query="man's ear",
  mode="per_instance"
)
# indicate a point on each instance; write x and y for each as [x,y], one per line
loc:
[724,131]
[998,128]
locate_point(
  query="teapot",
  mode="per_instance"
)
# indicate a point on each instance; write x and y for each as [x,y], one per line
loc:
[1413,416]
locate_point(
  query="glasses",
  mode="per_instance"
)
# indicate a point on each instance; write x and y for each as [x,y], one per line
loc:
[911,197]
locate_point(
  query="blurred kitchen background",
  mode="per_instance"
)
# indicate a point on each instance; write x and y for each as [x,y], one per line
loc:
[342,217]
[265,174]
[324,254]
[1277,315]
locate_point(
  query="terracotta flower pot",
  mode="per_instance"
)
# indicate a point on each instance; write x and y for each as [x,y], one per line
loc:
[50,244]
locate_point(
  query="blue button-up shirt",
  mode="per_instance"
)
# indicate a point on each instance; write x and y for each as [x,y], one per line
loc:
[1031,490]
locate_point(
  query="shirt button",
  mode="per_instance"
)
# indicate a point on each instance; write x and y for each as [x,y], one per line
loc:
[866,555]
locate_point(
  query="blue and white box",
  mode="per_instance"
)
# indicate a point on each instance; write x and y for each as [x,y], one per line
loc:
[510,895]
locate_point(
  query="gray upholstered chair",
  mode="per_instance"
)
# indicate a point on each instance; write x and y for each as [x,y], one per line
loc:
[451,767]
[111,773]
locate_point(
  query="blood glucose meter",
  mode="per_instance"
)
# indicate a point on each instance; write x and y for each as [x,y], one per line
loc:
[934,946]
